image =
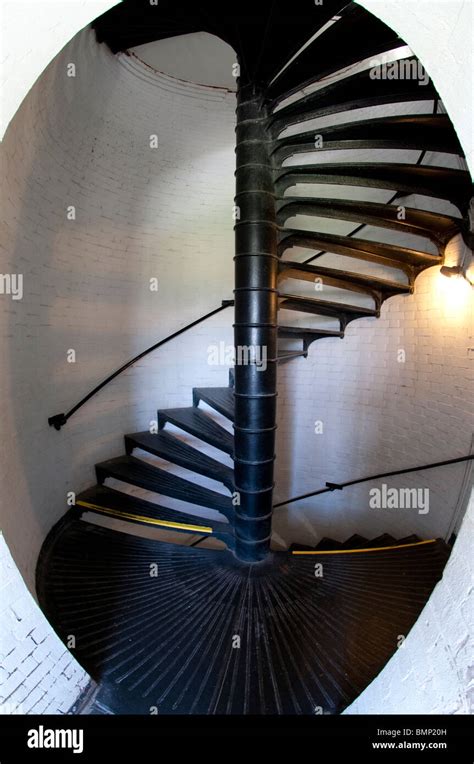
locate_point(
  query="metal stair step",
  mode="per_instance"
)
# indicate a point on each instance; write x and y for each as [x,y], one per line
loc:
[412,539]
[343,312]
[427,132]
[299,548]
[354,92]
[167,447]
[122,506]
[431,225]
[327,544]
[384,540]
[300,332]
[436,182]
[136,472]
[357,35]
[356,542]
[198,424]
[407,260]
[219,398]
[343,279]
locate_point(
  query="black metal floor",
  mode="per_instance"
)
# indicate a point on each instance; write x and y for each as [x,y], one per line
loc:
[169,642]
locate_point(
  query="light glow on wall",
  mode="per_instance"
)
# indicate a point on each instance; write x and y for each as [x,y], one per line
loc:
[453,296]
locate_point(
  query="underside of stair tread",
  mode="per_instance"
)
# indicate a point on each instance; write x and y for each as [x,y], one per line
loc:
[324,307]
[390,255]
[122,506]
[358,35]
[437,182]
[439,228]
[219,398]
[166,641]
[355,91]
[166,446]
[298,331]
[140,473]
[199,424]
[342,279]
[428,132]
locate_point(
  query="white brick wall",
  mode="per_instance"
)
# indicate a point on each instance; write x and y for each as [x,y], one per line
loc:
[432,673]
[379,415]
[37,674]
[140,213]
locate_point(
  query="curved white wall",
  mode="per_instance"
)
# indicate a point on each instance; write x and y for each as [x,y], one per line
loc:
[378,414]
[33,33]
[432,672]
[141,213]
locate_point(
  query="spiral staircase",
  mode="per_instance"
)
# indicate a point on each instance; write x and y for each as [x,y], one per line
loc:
[243,629]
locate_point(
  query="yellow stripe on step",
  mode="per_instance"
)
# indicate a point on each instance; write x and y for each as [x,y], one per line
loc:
[369,549]
[147,520]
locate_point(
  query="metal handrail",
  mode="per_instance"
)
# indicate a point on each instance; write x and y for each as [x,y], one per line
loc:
[339,486]
[59,420]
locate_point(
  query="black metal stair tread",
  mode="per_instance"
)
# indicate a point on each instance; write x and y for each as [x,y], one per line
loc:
[323,307]
[297,331]
[356,91]
[356,542]
[428,132]
[328,544]
[173,450]
[357,35]
[412,539]
[219,398]
[385,539]
[137,472]
[200,425]
[345,279]
[390,255]
[437,182]
[437,227]
[166,641]
[129,508]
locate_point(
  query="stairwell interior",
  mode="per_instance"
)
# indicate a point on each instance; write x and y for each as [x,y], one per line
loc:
[189,583]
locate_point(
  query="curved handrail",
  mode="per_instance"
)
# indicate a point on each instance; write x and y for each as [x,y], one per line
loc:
[339,486]
[59,420]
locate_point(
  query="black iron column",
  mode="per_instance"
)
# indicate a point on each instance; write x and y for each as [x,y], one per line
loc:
[255,329]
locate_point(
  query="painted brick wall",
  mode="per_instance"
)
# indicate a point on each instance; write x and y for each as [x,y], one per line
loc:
[378,415]
[37,674]
[432,673]
[141,213]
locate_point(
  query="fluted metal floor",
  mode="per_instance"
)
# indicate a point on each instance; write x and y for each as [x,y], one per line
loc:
[169,642]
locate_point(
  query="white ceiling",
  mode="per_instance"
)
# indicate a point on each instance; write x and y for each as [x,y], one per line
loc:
[200,58]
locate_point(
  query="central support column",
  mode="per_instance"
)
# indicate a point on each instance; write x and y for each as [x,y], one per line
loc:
[255,328]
